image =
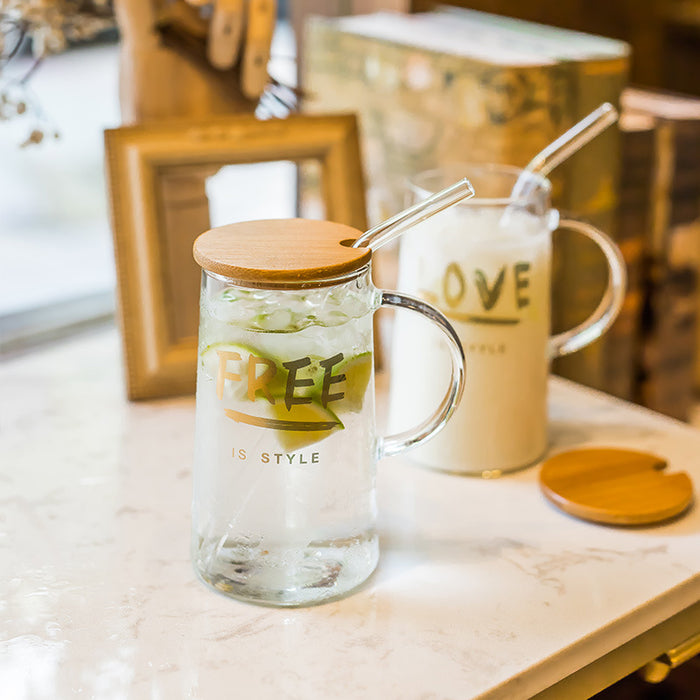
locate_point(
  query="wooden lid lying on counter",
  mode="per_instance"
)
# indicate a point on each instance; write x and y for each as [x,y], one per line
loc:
[621,487]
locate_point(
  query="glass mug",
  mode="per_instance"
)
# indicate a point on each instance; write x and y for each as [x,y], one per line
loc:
[284,507]
[485,263]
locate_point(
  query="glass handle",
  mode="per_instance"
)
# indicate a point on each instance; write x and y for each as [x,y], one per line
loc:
[393,444]
[611,303]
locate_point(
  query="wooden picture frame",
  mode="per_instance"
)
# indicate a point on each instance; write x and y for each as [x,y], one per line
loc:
[158,281]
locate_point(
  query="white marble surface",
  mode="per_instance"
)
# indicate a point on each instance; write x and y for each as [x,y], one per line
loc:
[483,590]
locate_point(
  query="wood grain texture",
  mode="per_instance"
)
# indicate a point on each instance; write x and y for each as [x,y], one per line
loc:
[620,487]
[280,251]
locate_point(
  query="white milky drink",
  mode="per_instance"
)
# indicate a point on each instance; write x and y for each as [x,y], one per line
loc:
[493,283]
[285,423]
[485,264]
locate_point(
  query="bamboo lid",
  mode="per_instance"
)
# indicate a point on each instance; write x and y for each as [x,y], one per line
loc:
[281,252]
[620,487]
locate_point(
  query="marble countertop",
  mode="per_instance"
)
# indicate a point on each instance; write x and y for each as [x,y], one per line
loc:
[484,590]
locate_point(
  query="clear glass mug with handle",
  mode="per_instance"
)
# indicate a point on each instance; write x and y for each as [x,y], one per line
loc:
[485,263]
[284,509]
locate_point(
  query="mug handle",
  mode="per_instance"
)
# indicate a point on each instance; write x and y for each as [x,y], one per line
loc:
[393,444]
[611,303]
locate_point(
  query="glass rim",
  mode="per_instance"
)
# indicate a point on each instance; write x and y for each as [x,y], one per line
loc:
[469,170]
[292,286]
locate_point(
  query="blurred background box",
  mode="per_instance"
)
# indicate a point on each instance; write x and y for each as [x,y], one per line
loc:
[456,85]
[632,226]
[664,34]
[661,183]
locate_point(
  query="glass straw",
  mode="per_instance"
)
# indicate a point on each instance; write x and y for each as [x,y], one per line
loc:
[392,228]
[567,144]
[557,152]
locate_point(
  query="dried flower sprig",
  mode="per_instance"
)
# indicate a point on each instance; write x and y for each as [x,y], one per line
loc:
[50,25]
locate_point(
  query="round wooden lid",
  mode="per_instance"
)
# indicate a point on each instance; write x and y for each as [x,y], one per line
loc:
[621,487]
[281,252]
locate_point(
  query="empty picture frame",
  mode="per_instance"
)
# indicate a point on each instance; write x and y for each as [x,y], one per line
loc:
[155,180]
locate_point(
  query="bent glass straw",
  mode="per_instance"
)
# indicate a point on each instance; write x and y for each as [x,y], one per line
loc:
[566,145]
[557,152]
[392,228]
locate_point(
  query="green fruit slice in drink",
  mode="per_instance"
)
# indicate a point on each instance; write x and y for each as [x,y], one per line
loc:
[230,365]
[296,427]
[357,371]
[234,364]
[308,416]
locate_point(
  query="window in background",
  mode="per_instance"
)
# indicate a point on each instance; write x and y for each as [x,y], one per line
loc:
[272,186]
[56,261]
[56,266]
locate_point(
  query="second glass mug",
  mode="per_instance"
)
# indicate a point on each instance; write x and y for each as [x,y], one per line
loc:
[284,507]
[485,263]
